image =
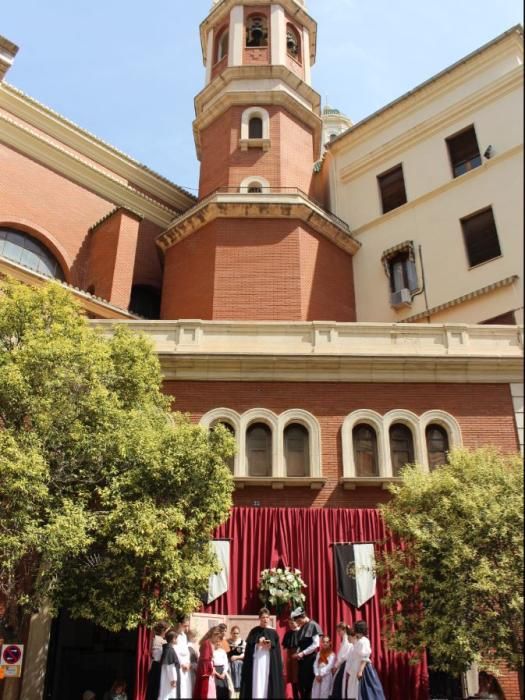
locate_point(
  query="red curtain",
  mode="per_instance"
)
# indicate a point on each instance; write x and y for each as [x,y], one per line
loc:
[301,538]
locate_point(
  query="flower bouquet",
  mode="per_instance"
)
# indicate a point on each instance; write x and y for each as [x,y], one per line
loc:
[281,587]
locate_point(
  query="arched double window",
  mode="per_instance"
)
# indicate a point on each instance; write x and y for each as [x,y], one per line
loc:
[297,450]
[437,445]
[365,450]
[19,247]
[259,450]
[401,447]
[293,42]
[256,31]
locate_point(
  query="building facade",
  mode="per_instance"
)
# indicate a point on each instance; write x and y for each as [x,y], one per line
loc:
[327,294]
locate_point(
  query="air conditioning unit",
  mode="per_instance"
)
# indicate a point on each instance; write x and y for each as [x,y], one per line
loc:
[401,298]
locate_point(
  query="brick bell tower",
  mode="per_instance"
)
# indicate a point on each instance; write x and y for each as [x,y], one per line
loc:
[258,246]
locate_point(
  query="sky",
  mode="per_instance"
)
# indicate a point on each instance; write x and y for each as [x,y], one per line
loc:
[127,71]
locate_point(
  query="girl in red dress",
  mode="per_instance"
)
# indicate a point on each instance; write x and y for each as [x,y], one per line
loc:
[204,682]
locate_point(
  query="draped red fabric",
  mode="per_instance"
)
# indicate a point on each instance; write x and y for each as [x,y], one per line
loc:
[301,538]
[142,663]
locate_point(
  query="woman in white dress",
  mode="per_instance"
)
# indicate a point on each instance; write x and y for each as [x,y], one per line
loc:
[362,680]
[221,668]
[323,665]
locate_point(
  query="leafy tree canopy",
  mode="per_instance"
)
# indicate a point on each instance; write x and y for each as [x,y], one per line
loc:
[455,585]
[107,499]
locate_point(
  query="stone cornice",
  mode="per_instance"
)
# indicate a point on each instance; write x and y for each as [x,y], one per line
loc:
[90,303]
[259,206]
[334,352]
[223,9]
[436,123]
[45,151]
[279,483]
[58,127]
[261,98]
[430,90]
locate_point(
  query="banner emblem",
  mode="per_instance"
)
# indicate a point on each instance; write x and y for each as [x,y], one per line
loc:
[355,567]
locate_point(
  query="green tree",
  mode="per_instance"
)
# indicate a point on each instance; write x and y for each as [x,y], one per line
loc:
[455,584]
[107,499]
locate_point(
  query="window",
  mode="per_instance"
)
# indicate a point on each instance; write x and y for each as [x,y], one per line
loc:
[297,450]
[259,450]
[464,152]
[145,301]
[293,42]
[437,445]
[400,267]
[255,188]
[257,31]
[231,460]
[365,451]
[401,447]
[21,248]
[255,128]
[222,45]
[392,189]
[481,237]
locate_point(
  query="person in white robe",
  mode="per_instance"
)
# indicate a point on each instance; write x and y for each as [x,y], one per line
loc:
[183,653]
[193,646]
[170,670]
[221,667]
[323,666]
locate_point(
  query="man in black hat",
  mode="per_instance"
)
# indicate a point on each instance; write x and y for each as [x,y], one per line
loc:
[308,640]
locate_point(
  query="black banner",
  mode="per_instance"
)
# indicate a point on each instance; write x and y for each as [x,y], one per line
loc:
[344,556]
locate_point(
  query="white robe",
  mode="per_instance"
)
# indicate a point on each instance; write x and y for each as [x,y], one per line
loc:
[324,688]
[361,652]
[183,652]
[168,673]
[261,672]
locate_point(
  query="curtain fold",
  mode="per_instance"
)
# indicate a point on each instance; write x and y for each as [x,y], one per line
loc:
[301,538]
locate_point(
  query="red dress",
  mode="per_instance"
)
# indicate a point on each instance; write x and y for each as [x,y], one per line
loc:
[204,683]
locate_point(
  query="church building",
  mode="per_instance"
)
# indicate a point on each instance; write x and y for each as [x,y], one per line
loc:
[345,298]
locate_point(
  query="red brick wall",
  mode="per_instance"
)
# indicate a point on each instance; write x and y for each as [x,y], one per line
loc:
[288,163]
[483,411]
[509,683]
[49,202]
[262,269]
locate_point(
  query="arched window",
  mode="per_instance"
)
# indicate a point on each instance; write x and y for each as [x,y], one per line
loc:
[223,42]
[259,450]
[145,301]
[365,450]
[437,445]
[401,447]
[229,427]
[257,31]
[297,450]
[255,128]
[255,188]
[293,42]
[21,248]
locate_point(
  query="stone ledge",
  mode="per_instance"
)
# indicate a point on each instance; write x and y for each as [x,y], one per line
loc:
[280,483]
[352,483]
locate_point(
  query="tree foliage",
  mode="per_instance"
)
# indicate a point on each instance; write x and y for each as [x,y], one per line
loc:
[107,499]
[455,583]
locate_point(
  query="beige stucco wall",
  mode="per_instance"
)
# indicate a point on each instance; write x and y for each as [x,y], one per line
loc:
[487,91]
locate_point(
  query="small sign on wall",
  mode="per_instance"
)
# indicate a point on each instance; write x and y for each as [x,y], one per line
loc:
[11,657]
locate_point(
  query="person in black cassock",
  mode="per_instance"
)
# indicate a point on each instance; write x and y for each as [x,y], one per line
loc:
[308,640]
[262,670]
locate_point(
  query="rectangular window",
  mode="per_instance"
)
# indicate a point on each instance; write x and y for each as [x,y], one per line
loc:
[464,152]
[392,188]
[481,237]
